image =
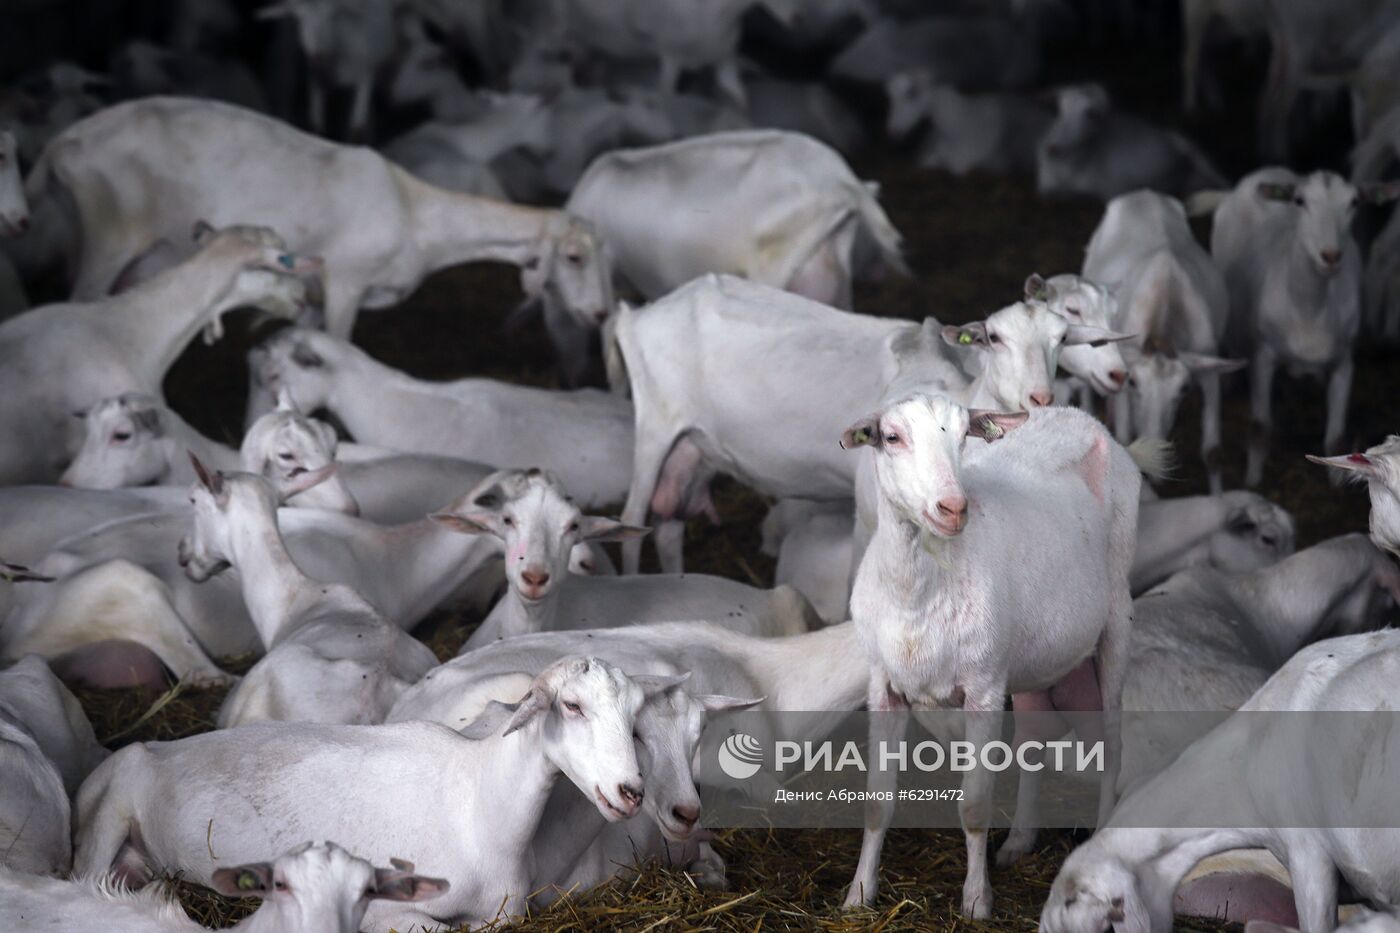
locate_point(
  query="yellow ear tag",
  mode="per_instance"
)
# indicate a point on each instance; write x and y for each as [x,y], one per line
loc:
[247,881]
[862,436]
[964,338]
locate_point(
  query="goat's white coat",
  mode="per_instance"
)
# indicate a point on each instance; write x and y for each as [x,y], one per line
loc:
[61,358]
[1290,307]
[173,161]
[962,621]
[1134,872]
[460,808]
[1234,532]
[46,749]
[330,656]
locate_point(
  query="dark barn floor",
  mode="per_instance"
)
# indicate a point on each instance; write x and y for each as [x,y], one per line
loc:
[971,243]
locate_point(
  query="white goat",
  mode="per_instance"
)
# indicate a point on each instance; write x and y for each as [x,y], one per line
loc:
[467,815]
[1172,296]
[698,358]
[1379,469]
[802,208]
[1234,532]
[1093,150]
[678,33]
[945,626]
[966,132]
[331,657]
[585,436]
[62,358]
[134,440]
[669,726]
[311,889]
[1126,875]
[1293,268]
[46,749]
[345,44]
[1078,300]
[380,230]
[539,526]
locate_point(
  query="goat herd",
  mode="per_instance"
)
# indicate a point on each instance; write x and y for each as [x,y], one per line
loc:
[952,523]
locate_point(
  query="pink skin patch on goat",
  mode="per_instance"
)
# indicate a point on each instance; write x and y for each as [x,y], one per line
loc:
[1237,898]
[1093,466]
[111,664]
[683,487]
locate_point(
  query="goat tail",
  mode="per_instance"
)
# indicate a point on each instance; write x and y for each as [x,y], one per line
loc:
[877,223]
[1154,458]
[791,613]
[1204,203]
[614,361]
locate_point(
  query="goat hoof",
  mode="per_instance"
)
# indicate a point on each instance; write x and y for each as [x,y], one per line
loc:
[707,875]
[1016,847]
[856,897]
[977,905]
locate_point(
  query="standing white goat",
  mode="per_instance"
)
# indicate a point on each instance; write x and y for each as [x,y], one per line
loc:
[1293,269]
[944,623]
[463,806]
[380,230]
[331,657]
[1172,296]
[311,889]
[698,358]
[539,527]
[57,359]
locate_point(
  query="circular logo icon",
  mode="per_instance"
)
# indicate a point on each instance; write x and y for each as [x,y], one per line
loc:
[740,756]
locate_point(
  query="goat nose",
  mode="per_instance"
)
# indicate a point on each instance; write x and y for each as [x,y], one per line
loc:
[687,815]
[1331,256]
[953,508]
[1041,398]
[534,577]
[1118,376]
[631,793]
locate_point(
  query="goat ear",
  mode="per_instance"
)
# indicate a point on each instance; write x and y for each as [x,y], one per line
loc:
[296,485]
[1200,363]
[214,482]
[538,700]
[968,335]
[1382,192]
[993,425]
[657,684]
[597,528]
[715,703]
[1352,463]
[864,432]
[252,880]
[401,884]
[1273,191]
[202,233]
[469,523]
[1037,289]
[1081,334]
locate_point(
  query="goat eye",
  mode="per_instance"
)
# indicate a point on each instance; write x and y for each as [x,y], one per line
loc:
[891,438]
[994,338]
[1074,311]
[572,707]
[575,258]
[285,457]
[121,437]
[573,527]
[508,521]
[1298,202]
[280,885]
